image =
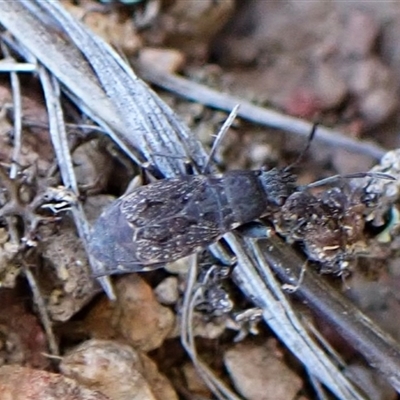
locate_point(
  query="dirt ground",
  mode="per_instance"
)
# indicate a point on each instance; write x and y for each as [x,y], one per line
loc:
[332,62]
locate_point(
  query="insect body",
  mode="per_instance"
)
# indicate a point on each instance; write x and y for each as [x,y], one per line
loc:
[172,218]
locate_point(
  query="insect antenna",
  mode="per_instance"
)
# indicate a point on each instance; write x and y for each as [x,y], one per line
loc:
[220,136]
[306,148]
[334,178]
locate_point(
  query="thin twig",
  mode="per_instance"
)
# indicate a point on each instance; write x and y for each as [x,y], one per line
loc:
[190,300]
[17,110]
[378,348]
[256,280]
[44,316]
[259,115]
[9,66]
[60,143]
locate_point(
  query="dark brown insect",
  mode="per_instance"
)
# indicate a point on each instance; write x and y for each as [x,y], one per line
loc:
[172,218]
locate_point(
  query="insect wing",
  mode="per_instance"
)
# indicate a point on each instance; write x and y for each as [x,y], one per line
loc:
[155,224]
[167,218]
[111,242]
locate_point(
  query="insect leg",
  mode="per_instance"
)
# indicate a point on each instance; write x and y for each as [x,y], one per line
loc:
[220,136]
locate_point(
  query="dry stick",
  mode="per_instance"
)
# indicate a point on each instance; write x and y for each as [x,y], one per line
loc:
[10,66]
[64,60]
[145,121]
[253,113]
[187,336]
[44,316]
[60,144]
[17,105]
[257,281]
[377,347]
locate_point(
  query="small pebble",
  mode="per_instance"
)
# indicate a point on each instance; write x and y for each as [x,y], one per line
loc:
[166,60]
[116,370]
[167,291]
[258,374]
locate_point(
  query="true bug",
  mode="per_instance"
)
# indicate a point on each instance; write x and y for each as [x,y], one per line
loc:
[172,218]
